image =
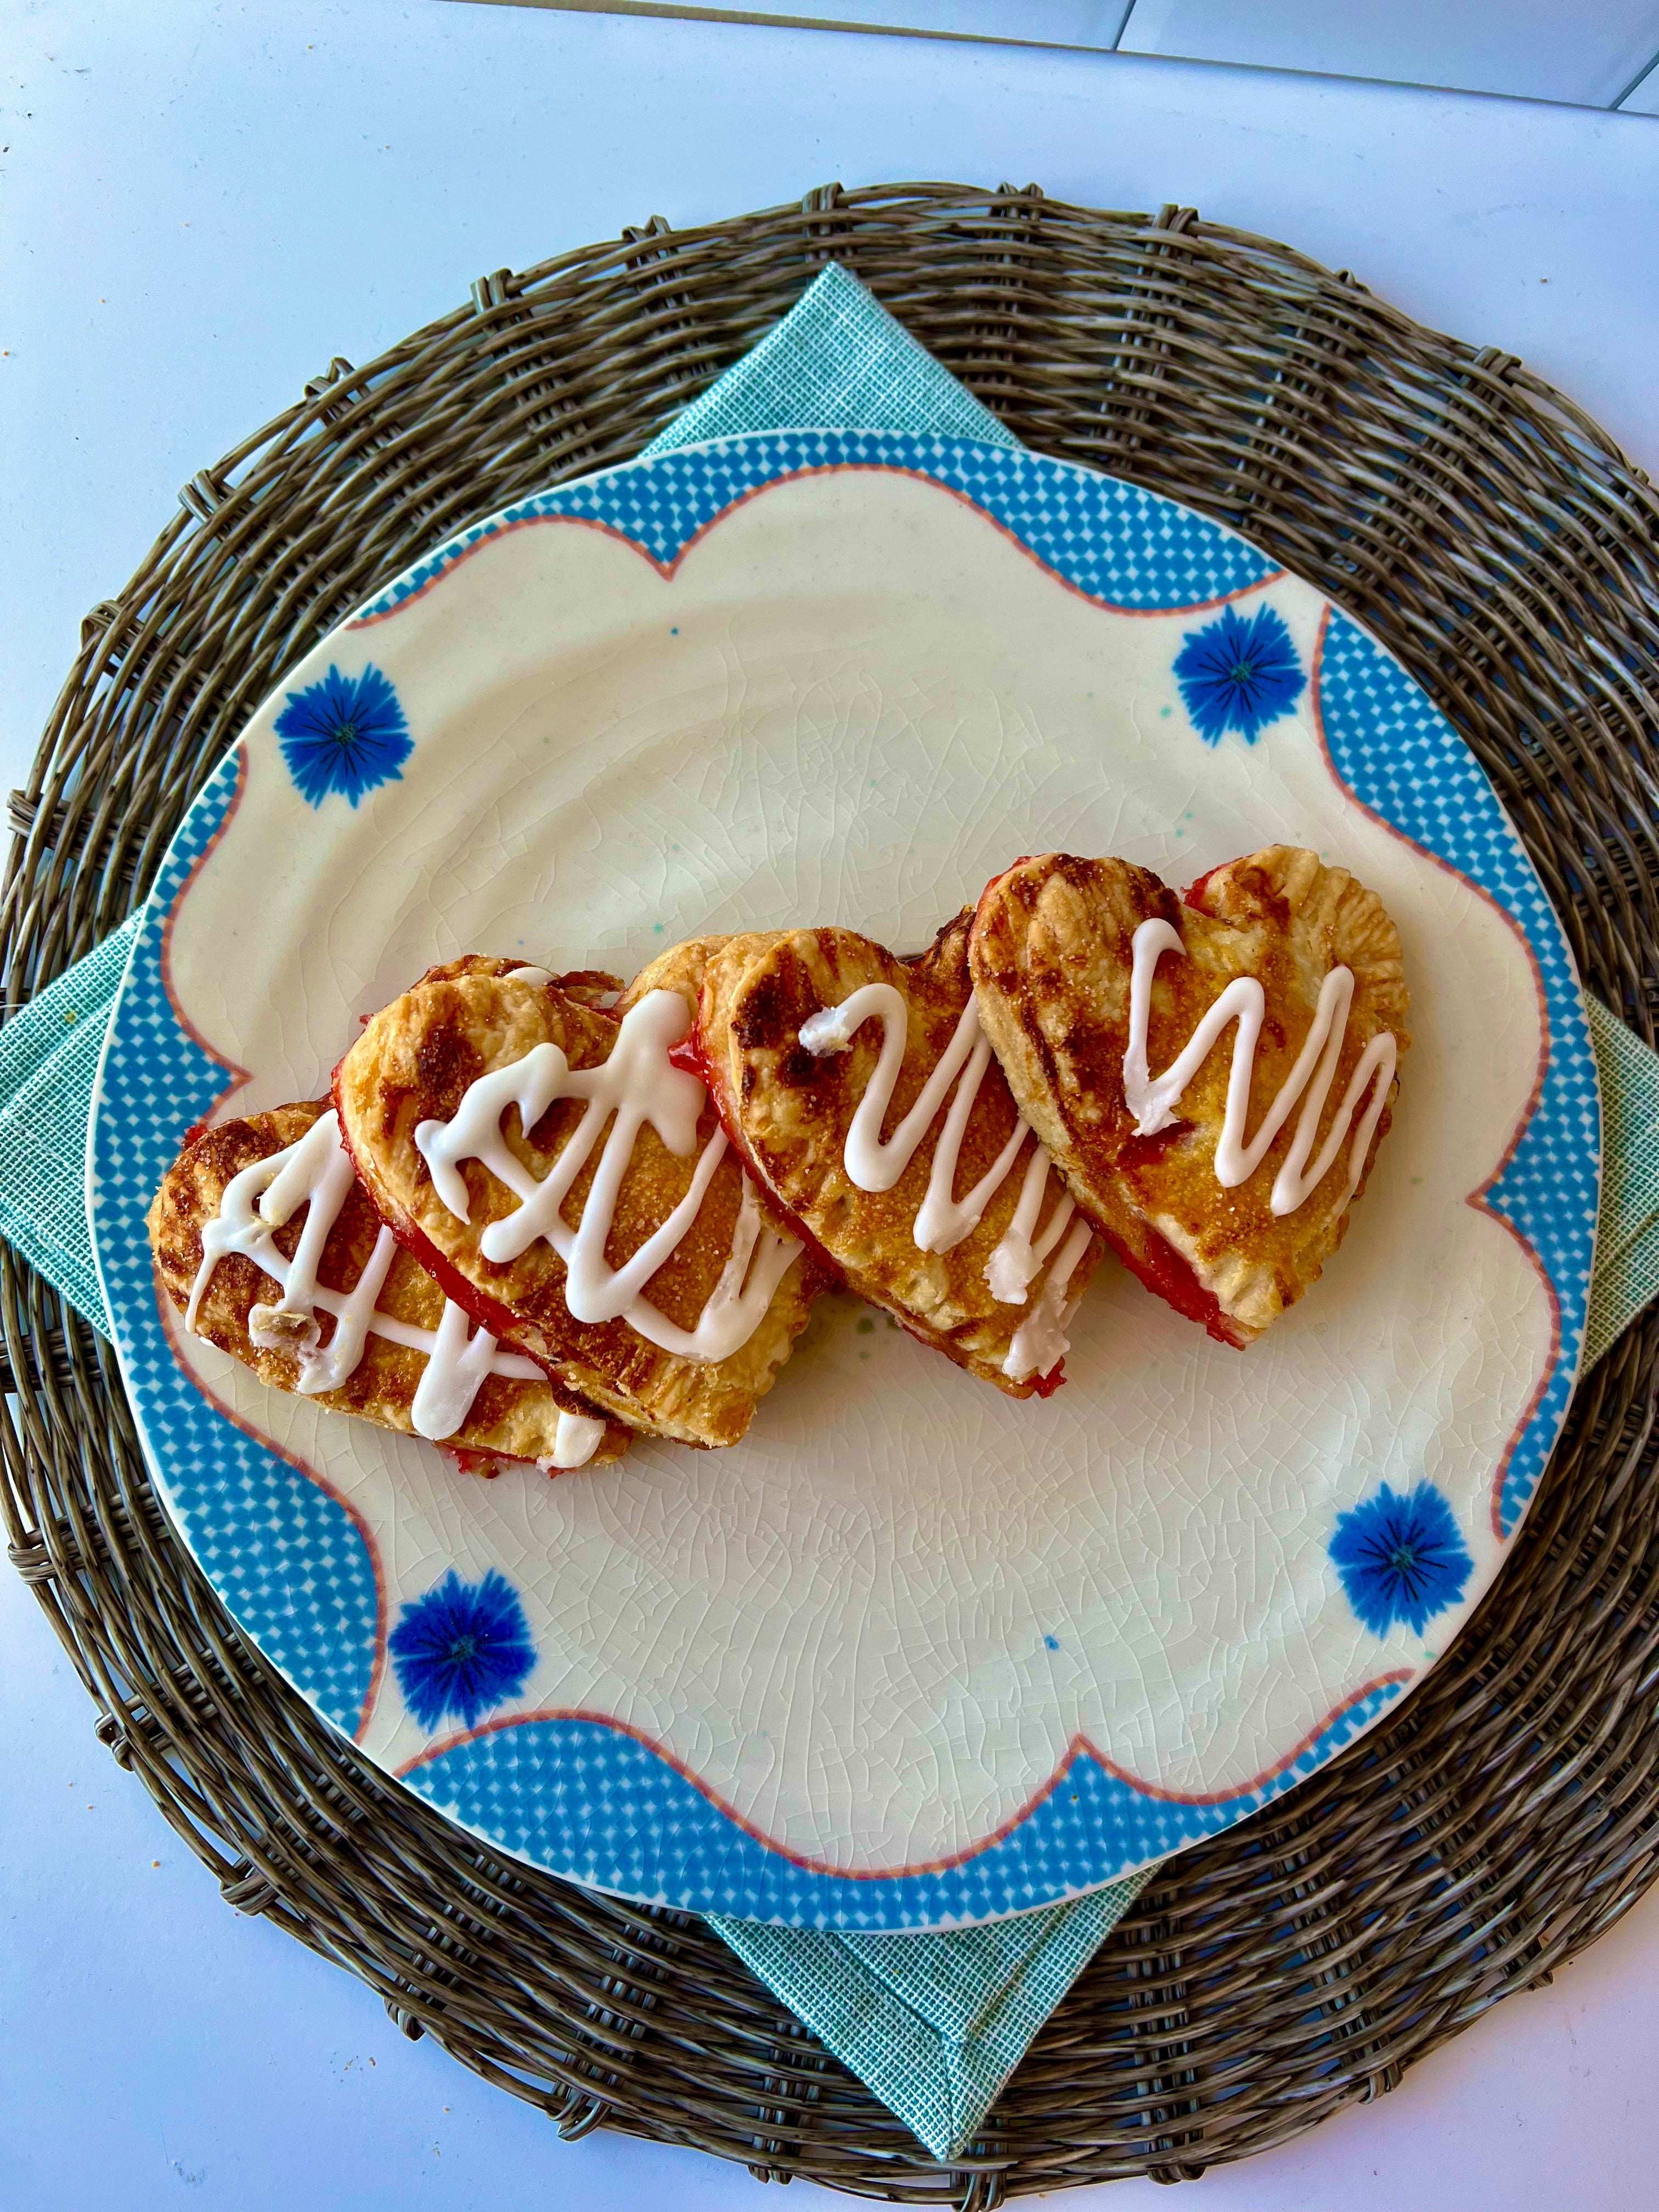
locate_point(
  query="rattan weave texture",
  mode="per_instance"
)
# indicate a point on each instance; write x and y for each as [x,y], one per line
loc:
[1494,538]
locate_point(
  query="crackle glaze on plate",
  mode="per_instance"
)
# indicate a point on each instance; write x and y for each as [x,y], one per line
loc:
[913,1654]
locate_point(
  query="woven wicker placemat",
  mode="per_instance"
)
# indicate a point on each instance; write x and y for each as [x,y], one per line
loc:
[1490,534]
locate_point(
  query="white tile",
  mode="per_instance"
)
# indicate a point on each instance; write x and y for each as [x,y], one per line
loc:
[1094,23]
[1643,99]
[1537,49]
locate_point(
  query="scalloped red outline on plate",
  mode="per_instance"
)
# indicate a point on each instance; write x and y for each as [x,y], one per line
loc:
[1080,1744]
[173,1329]
[1080,1747]
[667,569]
[1477,1197]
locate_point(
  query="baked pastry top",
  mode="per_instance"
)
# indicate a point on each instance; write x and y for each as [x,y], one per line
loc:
[913,1201]
[1231,1231]
[511,1408]
[634,1192]
[681,1340]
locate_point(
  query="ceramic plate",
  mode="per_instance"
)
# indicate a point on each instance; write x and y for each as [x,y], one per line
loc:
[913,1654]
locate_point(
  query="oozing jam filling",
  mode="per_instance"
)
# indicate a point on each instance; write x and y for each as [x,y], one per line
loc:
[1163,1270]
[1194,893]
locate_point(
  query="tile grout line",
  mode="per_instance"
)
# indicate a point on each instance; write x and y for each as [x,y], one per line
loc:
[1635,84]
[661,9]
[687,11]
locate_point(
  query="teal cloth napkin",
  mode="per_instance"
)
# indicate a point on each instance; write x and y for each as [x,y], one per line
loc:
[933,2024]
[48,1062]
[1626,1278]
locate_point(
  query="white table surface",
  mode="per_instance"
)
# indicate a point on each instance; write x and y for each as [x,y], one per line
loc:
[203,203]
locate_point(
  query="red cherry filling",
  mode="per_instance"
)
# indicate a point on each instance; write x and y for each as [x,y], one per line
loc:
[1163,1270]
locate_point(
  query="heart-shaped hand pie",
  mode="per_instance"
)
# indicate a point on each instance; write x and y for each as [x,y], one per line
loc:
[265,1240]
[864,1099]
[1221,1167]
[573,1190]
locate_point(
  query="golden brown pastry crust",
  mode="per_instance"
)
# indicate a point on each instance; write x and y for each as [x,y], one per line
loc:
[509,1419]
[594,987]
[1050,950]
[790,1112]
[679,969]
[414,1062]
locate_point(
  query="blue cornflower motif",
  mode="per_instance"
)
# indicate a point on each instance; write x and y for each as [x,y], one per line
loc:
[1400,1557]
[461,1648]
[347,734]
[1238,675]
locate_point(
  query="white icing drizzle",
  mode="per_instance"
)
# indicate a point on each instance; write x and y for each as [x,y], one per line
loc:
[1013,1267]
[637,1085]
[1040,1342]
[316,1172]
[943,1220]
[452,1376]
[575,1440]
[1152,1099]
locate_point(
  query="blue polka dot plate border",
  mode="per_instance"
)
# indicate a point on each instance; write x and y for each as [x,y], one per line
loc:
[912,1655]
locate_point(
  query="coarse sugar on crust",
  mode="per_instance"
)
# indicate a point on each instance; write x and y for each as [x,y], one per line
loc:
[790,1109]
[510,1418]
[414,1062]
[1051,953]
